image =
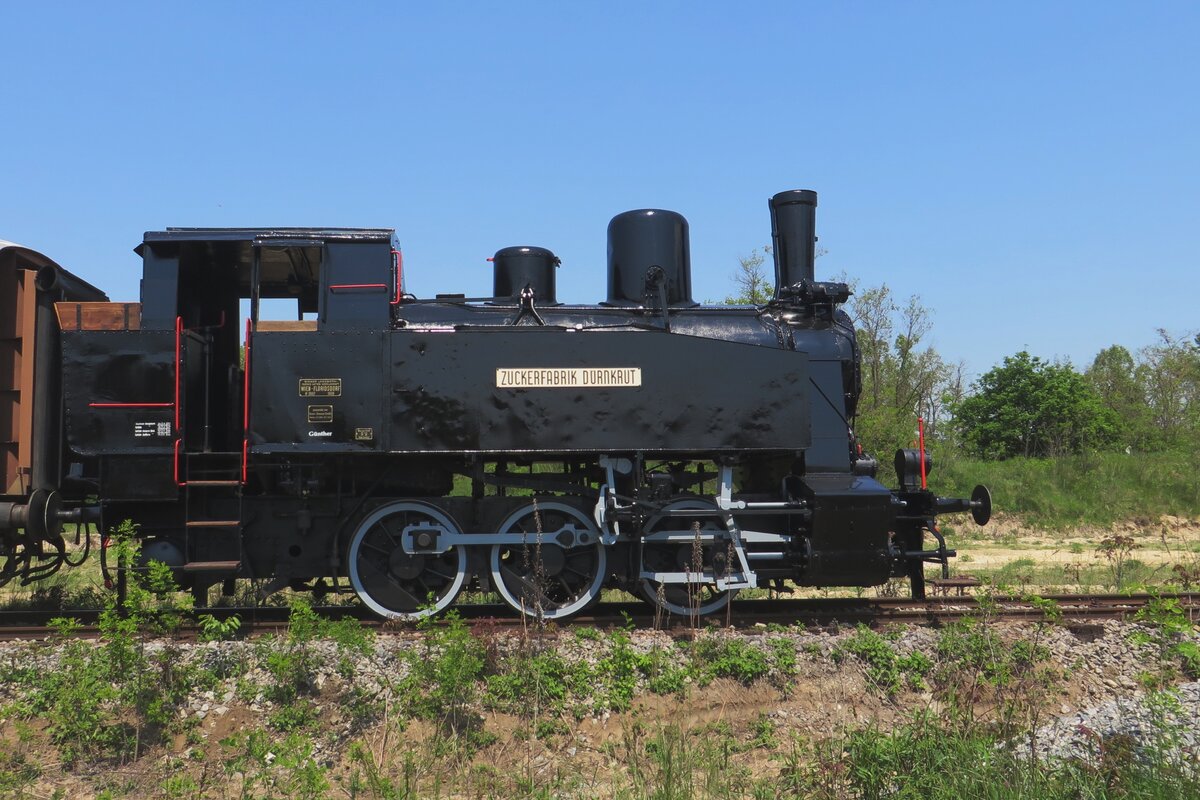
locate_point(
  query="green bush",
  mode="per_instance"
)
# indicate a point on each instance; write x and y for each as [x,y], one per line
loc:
[444,673]
[924,760]
[294,716]
[662,675]
[217,630]
[1170,629]
[715,656]
[528,685]
[783,659]
[293,661]
[887,669]
[617,673]
[278,767]
[113,701]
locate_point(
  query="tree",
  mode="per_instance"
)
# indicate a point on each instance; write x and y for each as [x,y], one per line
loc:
[953,391]
[901,380]
[1113,375]
[1030,407]
[1155,398]
[753,286]
[1169,373]
[872,310]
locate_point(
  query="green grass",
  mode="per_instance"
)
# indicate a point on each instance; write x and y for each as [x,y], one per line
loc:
[1021,575]
[1095,489]
[925,760]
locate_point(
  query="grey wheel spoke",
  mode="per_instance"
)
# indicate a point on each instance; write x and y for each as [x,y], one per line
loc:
[394,581]
[448,575]
[369,546]
[585,576]
[384,526]
[515,579]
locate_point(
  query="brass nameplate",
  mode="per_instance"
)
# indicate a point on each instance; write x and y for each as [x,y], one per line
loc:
[320,414]
[320,387]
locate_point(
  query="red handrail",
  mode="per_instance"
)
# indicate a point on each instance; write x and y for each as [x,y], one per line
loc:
[921,430]
[246,384]
[178,336]
[130,405]
[246,406]
[398,267]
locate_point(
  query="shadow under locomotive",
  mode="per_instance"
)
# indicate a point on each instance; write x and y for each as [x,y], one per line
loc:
[408,449]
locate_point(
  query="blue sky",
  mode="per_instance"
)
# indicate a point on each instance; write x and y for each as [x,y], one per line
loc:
[1030,169]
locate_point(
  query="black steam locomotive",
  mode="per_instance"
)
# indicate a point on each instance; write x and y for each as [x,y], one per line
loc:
[413,448]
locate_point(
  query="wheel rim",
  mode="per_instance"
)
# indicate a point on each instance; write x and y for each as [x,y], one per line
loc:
[568,578]
[663,558]
[396,584]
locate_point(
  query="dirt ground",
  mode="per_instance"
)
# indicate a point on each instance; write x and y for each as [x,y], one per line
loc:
[1146,552]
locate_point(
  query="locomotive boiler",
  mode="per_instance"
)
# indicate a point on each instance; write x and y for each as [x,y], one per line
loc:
[408,449]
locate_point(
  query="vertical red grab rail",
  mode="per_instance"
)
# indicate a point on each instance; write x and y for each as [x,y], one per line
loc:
[178,380]
[921,433]
[178,361]
[397,274]
[246,407]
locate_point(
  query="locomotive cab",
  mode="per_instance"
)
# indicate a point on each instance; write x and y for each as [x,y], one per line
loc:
[206,281]
[157,403]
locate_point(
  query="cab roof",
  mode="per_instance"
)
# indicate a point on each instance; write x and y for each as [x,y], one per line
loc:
[268,235]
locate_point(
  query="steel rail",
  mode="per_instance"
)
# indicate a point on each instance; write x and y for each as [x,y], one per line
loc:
[745,614]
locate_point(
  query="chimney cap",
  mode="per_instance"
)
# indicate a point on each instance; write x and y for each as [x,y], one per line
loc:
[805,196]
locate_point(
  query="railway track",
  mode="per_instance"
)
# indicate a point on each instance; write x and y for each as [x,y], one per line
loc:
[821,612]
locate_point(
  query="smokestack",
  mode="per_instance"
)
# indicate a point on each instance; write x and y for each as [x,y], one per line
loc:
[793,236]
